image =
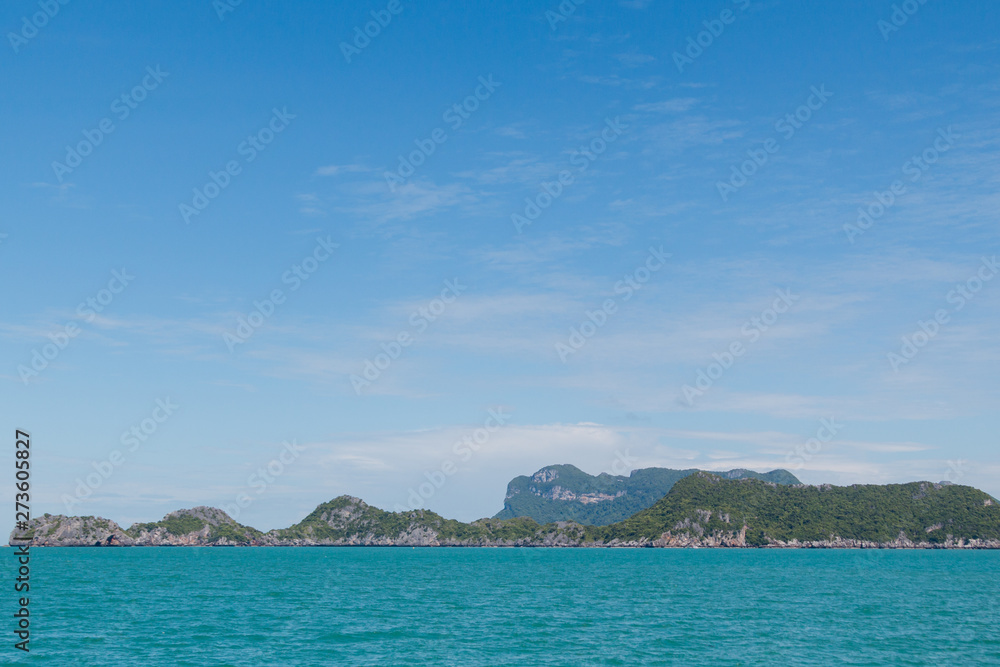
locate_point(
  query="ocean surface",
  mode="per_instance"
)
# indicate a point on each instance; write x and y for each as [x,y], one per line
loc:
[439,606]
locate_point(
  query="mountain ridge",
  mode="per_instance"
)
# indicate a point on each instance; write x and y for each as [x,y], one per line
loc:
[563,492]
[701,510]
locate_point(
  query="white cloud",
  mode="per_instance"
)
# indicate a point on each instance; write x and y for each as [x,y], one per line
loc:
[336,170]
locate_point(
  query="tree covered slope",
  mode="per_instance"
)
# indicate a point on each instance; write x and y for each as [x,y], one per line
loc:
[703,505]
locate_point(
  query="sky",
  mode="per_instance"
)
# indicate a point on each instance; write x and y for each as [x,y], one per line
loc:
[262,254]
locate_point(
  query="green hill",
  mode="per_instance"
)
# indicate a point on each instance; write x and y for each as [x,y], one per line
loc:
[346,519]
[566,493]
[704,505]
[198,525]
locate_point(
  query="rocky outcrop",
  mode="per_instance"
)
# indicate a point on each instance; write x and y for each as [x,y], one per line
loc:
[200,526]
[559,493]
[72,531]
[545,475]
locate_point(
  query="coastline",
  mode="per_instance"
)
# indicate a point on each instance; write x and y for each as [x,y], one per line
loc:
[662,543]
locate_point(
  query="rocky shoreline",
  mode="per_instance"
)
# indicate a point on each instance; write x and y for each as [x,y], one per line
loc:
[62,531]
[837,544]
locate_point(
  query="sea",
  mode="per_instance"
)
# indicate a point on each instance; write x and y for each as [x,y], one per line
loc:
[486,606]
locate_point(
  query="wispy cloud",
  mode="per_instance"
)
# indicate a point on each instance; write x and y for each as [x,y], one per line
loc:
[676,105]
[634,59]
[338,169]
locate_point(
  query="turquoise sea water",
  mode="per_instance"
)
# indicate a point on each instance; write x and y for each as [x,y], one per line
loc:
[396,606]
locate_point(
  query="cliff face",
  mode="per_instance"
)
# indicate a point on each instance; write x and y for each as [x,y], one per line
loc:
[566,493]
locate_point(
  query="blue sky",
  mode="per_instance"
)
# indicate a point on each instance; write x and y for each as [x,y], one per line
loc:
[746,159]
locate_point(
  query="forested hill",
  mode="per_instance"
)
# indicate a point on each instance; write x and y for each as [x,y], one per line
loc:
[703,505]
